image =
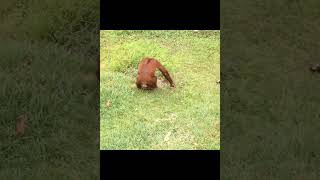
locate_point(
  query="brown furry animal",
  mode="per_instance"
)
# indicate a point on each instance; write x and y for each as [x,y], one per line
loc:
[146,74]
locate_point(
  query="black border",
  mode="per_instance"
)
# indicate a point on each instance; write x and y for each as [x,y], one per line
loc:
[160,15]
[203,164]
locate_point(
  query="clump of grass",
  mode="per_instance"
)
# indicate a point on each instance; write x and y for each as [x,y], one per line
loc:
[72,24]
[129,54]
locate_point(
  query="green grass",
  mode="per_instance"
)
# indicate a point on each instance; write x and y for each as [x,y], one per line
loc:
[186,118]
[270,98]
[58,137]
[57,90]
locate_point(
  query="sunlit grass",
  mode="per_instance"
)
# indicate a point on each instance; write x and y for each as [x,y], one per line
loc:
[186,118]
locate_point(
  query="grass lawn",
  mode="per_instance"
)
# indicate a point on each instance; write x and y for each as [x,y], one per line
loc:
[270,106]
[185,118]
[58,103]
[48,58]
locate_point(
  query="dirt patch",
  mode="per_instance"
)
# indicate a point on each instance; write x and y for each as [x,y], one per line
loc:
[161,83]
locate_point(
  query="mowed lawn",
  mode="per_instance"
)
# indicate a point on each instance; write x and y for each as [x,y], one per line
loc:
[185,118]
[47,74]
